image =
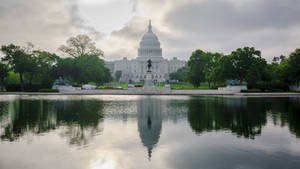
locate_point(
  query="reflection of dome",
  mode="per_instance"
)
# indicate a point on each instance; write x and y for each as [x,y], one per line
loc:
[149,123]
[149,45]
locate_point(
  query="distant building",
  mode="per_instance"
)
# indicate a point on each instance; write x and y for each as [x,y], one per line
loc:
[135,70]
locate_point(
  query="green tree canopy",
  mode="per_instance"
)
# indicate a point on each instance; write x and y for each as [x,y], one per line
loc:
[18,60]
[4,69]
[257,72]
[84,69]
[242,59]
[44,61]
[118,75]
[293,67]
[214,68]
[196,65]
[179,75]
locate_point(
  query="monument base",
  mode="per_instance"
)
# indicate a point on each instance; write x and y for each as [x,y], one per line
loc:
[148,80]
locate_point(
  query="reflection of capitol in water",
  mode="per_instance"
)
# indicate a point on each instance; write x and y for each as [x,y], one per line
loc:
[149,122]
[150,113]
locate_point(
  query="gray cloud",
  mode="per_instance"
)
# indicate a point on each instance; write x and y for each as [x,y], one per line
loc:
[134,5]
[272,26]
[47,24]
[222,15]
[79,23]
[131,31]
[223,26]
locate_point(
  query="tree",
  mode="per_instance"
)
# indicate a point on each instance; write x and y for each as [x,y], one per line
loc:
[65,68]
[213,67]
[293,67]
[179,75]
[257,72]
[118,75]
[18,60]
[13,78]
[4,69]
[242,60]
[33,69]
[84,69]
[45,61]
[81,45]
[92,68]
[278,60]
[196,65]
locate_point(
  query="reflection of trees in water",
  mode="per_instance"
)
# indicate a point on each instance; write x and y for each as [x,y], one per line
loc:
[240,115]
[243,116]
[81,118]
[3,115]
[286,112]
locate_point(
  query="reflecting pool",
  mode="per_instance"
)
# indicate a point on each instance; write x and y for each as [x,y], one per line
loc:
[155,132]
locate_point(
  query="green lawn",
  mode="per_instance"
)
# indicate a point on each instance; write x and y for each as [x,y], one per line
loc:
[187,86]
[111,85]
[159,85]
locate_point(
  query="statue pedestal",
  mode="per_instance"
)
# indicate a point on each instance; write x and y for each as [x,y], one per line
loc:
[149,80]
[167,88]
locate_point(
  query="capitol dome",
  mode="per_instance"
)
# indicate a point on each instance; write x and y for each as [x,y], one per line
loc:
[149,45]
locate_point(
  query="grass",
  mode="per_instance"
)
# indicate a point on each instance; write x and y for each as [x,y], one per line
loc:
[112,85]
[159,85]
[49,90]
[187,87]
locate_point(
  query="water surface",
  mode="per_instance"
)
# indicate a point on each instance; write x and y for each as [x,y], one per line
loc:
[155,132]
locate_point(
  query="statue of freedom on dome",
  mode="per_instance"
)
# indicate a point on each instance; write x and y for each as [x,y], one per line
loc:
[149,65]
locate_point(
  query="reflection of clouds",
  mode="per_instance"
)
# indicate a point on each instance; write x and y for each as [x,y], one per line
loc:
[7,97]
[172,108]
[223,150]
[78,136]
[103,164]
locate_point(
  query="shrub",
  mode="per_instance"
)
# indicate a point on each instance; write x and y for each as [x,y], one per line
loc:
[138,85]
[13,87]
[251,91]
[49,90]
[279,86]
[27,88]
[264,85]
[113,86]
[275,86]
[32,88]
[217,85]
[92,83]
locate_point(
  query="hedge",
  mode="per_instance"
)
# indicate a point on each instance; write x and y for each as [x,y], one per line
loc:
[27,88]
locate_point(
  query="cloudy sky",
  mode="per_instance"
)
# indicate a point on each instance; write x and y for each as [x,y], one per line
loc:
[272,26]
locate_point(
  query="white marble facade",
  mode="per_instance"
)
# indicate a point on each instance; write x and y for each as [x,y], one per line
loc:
[135,70]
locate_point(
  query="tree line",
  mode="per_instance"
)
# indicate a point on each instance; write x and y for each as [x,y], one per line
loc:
[244,64]
[40,68]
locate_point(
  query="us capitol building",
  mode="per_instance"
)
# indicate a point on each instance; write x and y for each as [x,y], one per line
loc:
[135,70]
